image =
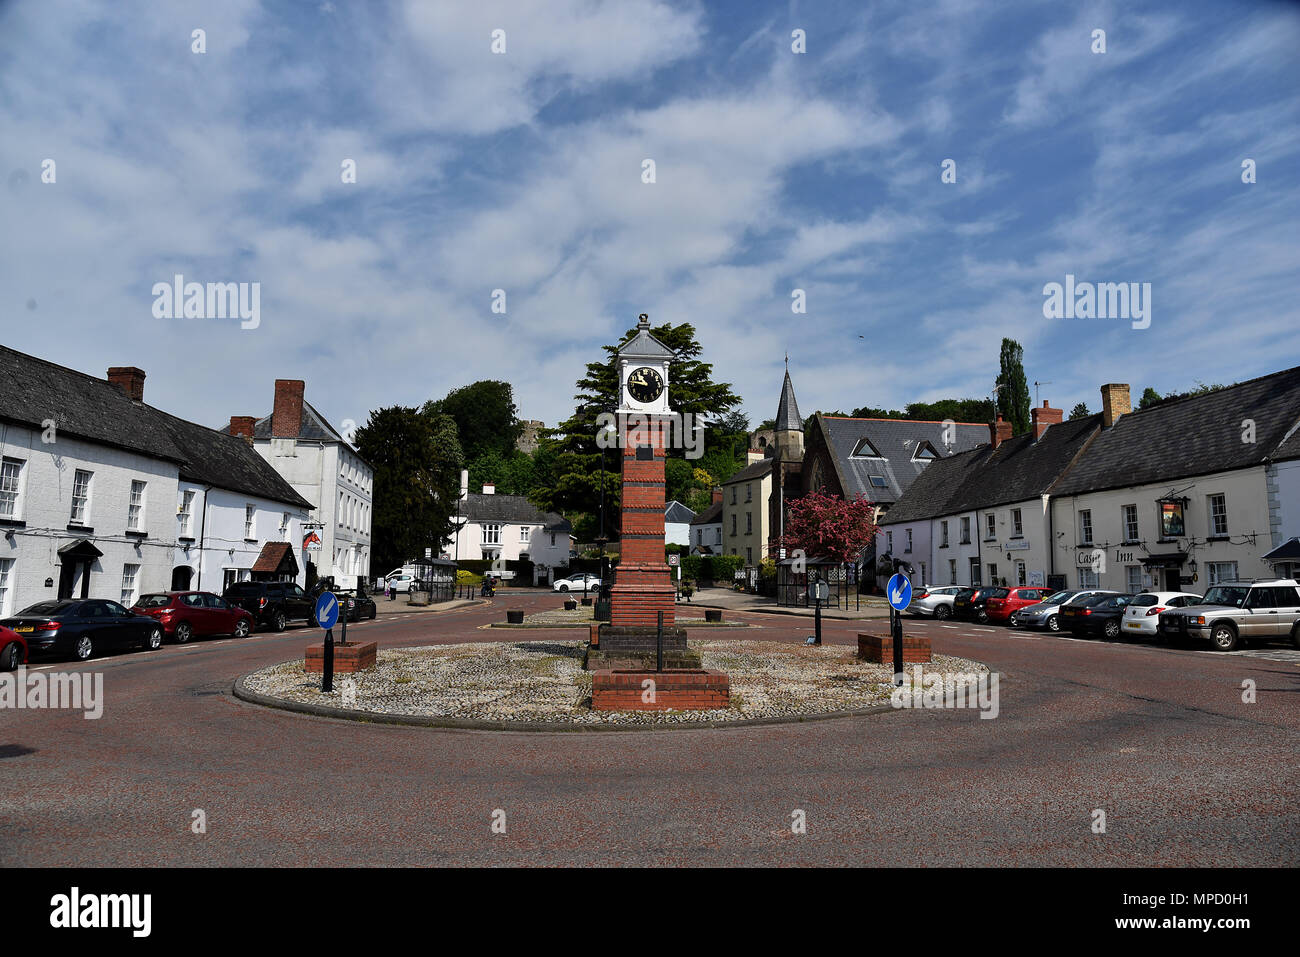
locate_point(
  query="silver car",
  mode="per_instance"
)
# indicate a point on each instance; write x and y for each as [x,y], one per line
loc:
[933,602]
[1236,613]
[1047,613]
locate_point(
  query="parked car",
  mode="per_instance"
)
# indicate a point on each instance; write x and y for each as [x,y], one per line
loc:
[1047,613]
[78,628]
[969,603]
[1142,614]
[194,614]
[933,602]
[359,605]
[1233,613]
[575,583]
[1000,607]
[1096,615]
[13,649]
[402,583]
[272,604]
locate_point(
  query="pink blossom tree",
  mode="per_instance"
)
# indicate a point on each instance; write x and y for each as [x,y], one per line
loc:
[826,526]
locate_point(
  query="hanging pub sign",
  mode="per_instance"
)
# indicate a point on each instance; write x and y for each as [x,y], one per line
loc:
[311,541]
[1171,520]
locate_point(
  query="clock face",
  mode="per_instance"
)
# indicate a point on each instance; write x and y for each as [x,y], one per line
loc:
[645,384]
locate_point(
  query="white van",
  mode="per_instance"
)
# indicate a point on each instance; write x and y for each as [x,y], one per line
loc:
[402,580]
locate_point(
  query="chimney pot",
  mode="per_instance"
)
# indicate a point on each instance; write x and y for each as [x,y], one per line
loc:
[1114,402]
[286,419]
[717,495]
[1044,417]
[130,380]
[999,432]
[242,426]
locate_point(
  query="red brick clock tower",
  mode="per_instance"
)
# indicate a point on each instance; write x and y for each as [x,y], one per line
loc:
[642,586]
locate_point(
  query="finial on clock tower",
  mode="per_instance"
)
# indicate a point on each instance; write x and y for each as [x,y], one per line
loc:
[643,321]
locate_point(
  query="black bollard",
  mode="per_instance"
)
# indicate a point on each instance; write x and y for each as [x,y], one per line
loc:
[343,614]
[817,618]
[327,681]
[659,644]
[896,623]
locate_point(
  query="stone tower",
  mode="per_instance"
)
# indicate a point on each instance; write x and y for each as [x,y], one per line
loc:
[789,424]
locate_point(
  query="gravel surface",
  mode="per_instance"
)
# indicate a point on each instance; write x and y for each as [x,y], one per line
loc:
[544,681]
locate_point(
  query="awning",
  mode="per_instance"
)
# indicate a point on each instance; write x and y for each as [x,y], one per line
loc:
[1288,551]
[1165,558]
[276,558]
[81,549]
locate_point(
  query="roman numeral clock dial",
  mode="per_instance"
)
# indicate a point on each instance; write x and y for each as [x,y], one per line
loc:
[645,384]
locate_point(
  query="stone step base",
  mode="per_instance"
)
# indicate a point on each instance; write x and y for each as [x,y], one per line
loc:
[678,690]
[348,659]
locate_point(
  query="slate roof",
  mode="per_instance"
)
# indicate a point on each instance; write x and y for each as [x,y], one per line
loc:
[276,558]
[313,426]
[1288,551]
[709,516]
[213,457]
[750,472]
[82,406]
[1018,469]
[677,513]
[511,510]
[788,418]
[1193,435]
[896,440]
[645,345]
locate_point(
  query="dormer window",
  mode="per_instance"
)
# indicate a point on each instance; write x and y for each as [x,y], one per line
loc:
[924,453]
[865,450]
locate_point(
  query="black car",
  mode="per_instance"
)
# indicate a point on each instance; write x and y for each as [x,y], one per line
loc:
[968,604]
[1095,615]
[272,604]
[357,601]
[79,628]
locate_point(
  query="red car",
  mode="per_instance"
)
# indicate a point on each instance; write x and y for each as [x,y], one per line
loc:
[1000,609]
[13,649]
[191,614]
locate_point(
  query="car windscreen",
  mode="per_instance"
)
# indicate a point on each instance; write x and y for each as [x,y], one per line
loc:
[999,593]
[1145,601]
[1231,595]
[240,589]
[47,608]
[1059,597]
[154,601]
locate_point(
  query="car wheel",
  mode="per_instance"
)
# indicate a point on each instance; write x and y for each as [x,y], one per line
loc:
[982,617]
[374,610]
[154,641]
[85,648]
[1295,636]
[183,633]
[1053,623]
[1224,637]
[241,628]
[1111,629]
[11,658]
[564,588]
[279,622]
[942,612]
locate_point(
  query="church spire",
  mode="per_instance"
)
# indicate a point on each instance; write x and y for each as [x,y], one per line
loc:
[788,418]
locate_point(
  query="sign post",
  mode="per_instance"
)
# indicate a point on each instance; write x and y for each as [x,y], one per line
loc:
[327,613]
[899,591]
[818,591]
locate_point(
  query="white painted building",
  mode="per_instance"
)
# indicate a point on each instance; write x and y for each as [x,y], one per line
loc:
[706,528]
[324,468]
[677,524]
[509,528]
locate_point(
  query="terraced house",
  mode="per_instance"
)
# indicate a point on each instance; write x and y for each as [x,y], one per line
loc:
[104,496]
[1181,495]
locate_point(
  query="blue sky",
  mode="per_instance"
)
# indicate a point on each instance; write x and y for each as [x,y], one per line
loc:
[774,171]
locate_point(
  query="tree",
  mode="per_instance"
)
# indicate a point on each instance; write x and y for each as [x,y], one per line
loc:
[826,526]
[691,389]
[958,410]
[1149,398]
[416,460]
[1080,411]
[485,415]
[1013,397]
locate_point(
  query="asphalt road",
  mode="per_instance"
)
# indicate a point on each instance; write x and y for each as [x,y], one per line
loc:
[1159,739]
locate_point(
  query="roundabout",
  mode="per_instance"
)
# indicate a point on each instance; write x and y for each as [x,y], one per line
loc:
[541,686]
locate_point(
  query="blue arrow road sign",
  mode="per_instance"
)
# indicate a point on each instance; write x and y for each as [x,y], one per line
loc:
[327,610]
[900,591]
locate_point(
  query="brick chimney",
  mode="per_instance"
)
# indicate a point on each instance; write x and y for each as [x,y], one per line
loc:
[286,419]
[242,426]
[999,432]
[489,488]
[717,495]
[1044,417]
[130,380]
[753,455]
[1114,402]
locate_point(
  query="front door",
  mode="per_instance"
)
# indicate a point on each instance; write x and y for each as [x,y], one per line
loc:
[181,576]
[1173,580]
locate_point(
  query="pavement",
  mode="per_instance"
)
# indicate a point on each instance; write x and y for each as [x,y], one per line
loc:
[1159,739]
[732,600]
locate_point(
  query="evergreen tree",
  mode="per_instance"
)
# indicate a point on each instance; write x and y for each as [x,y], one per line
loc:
[1013,397]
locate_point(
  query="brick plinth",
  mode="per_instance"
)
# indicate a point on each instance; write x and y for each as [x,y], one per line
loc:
[686,690]
[350,658]
[880,649]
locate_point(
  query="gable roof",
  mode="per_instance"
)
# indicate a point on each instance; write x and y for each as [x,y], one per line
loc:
[312,426]
[34,390]
[276,558]
[677,513]
[216,458]
[709,516]
[510,510]
[751,471]
[896,440]
[1020,468]
[1193,435]
[644,345]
